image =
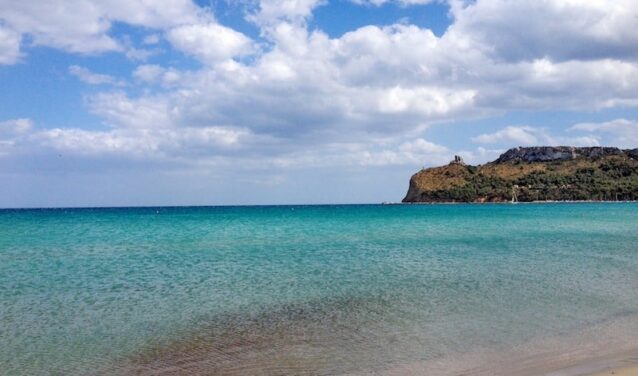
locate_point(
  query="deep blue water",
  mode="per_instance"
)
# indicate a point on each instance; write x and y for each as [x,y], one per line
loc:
[91,290]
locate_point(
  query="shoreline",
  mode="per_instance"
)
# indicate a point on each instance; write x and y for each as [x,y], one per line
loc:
[603,349]
[625,364]
[266,342]
[261,356]
[619,364]
[230,206]
[510,203]
[625,371]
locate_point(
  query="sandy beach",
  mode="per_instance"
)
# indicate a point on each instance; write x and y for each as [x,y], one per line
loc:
[630,371]
[295,348]
[626,371]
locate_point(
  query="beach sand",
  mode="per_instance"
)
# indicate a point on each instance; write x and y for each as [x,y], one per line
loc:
[311,340]
[627,371]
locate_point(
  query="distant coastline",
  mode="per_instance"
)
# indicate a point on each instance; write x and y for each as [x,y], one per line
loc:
[517,203]
[535,174]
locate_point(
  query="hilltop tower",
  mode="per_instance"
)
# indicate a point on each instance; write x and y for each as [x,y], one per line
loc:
[458,160]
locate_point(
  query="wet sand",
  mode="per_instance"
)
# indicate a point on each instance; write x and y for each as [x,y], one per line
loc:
[330,339]
[626,371]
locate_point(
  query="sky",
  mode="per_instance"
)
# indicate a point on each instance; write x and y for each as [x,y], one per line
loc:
[244,102]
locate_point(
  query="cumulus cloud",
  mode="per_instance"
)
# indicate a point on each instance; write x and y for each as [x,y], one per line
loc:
[143,143]
[9,46]
[209,42]
[481,154]
[400,2]
[390,81]
[623,132]
[372,153]
[82,26]
[138,54]
[183,145]
[532,136]
[10,131]
[311,84]
[515,135]
[148,72]
[85,75]
[151,39]
[120,111]
[15,127]
[559,30]
[275,11]
[211,146]
[400,156]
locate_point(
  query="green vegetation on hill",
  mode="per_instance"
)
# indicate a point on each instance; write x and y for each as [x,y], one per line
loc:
[544,175]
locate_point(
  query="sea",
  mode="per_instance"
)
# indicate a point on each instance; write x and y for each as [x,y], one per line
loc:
[472,289]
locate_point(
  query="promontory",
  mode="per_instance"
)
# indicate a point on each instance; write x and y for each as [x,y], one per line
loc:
[526,174]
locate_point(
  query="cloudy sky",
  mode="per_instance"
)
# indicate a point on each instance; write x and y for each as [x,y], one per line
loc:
[173,102]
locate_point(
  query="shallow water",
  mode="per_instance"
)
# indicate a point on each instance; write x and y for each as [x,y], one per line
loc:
[311,289]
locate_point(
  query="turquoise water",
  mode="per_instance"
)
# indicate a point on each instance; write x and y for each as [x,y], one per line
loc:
[318,289]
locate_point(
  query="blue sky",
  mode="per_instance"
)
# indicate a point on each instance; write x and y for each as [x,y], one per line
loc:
[296,101]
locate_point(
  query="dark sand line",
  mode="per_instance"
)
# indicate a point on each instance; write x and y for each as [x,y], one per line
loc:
[345,336]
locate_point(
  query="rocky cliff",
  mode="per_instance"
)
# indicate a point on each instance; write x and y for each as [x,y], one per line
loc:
[555,153]
[559,173]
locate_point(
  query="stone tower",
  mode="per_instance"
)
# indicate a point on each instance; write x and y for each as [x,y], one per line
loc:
[458,160]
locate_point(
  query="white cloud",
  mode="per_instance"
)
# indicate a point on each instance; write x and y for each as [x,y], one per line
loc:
[151,39]
[148,72]
[373,153]
[209,42]
[582,141]
[518,135]
[417,152]
[82,26]
[361,99]
[153,14]
[15,127]
[85,75]
[571,85]
[425,101]
[275,11]
[421,147]
[9,46]
[532,136]
[481,155]
[559,29]
[120,111]
[10,130]
[623,132]
[138,54]
[400,2]
[311,92]
[143,143]
[76,26]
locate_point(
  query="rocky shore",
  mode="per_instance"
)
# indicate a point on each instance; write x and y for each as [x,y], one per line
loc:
[528,174]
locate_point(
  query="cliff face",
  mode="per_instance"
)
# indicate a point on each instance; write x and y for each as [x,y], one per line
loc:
[532,174]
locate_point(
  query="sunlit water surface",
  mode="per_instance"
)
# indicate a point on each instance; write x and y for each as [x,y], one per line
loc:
[310,289]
